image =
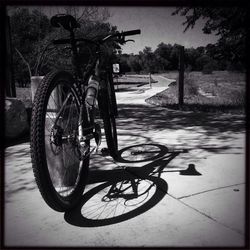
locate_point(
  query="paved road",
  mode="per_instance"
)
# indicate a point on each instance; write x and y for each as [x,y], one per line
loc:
[196,208]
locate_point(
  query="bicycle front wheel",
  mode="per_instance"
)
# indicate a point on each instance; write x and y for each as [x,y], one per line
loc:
[59,169]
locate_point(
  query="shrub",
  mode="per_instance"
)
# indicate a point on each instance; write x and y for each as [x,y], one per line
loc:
[208,68]
[190,87]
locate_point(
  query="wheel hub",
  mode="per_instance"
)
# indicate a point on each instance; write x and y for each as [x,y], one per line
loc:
[56,135]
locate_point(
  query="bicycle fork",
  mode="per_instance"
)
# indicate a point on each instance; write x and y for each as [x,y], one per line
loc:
[93,129]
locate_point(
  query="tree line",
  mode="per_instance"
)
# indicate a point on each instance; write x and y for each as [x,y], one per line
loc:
[229,53]
[166,58]
[31,31]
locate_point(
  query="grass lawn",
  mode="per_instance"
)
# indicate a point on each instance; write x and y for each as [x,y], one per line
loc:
[124,82]
[219,91]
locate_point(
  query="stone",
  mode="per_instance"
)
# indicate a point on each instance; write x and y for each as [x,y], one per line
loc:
[16,119]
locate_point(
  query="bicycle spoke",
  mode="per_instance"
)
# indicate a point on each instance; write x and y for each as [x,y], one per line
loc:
[117,202]
[64,117]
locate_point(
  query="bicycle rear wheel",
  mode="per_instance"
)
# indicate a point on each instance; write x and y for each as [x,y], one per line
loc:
[60,171]
[109,112]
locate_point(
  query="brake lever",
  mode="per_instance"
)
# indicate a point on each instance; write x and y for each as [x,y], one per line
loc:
[125,41]
[130,40]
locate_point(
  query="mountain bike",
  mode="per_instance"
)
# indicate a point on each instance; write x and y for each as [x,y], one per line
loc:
[64,128]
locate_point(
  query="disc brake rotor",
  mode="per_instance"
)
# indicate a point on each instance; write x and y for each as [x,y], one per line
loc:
[56,139]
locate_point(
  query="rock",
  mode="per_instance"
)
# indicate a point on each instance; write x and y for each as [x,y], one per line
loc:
[16,119]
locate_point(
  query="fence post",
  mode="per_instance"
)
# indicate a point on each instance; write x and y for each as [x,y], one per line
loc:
[149,80]
[181,75]
[10,82]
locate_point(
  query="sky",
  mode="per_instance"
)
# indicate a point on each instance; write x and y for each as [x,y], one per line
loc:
[157,25]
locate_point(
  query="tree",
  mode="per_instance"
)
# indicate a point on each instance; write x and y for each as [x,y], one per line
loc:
[190,57]
[134,63]
[228,23]
[28,29]
[202,61]
[93,26]
[32,32]
[148,60]
[87,14]
[124,66]
[174,57]
[162,53]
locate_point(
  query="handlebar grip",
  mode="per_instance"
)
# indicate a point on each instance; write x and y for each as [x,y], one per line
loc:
[131,32]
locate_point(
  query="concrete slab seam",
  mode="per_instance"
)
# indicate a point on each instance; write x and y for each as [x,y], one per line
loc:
[210,190]
[209,217]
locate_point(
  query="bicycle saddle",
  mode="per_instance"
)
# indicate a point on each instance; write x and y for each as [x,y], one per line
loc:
[67,21]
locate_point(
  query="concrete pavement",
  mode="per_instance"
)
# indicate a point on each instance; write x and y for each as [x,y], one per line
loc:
[138,95]
[175,207]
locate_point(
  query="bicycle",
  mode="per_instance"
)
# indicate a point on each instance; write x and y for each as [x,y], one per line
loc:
[64,131]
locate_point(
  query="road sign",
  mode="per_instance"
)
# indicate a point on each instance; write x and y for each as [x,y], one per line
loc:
[116,68]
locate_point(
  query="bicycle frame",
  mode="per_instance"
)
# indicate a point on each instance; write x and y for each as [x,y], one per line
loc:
[95,68]
[86,121]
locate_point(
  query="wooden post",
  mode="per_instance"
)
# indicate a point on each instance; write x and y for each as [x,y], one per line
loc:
[10,82]
[181,76]
[149,77]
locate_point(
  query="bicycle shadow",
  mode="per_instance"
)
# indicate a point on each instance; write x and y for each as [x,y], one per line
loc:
[126,192]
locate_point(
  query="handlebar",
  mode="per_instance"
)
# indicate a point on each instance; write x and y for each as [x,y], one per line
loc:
[69,23]
[119,35]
